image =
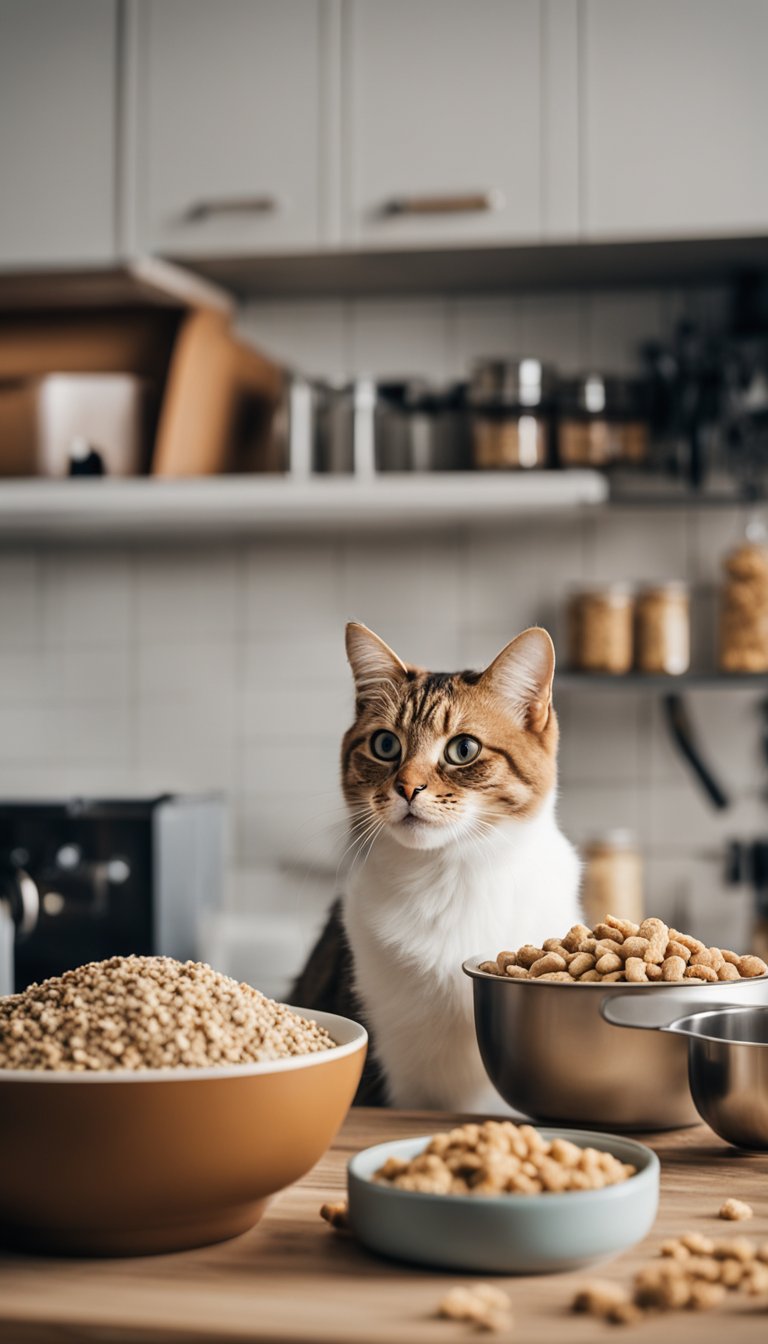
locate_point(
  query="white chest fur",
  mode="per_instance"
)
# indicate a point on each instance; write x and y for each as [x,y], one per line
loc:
[413,916]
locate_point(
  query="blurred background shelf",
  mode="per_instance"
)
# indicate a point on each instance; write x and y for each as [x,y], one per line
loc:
[108,508]
[671,685]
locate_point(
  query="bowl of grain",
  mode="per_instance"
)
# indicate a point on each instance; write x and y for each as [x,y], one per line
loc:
[496,1197]
[543,1021]
[149,1105]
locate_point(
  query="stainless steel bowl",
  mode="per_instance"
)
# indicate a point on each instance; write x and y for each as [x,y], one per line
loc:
[728,1071]
[551,1051]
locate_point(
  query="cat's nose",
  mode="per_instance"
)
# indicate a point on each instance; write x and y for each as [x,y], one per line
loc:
[408,791]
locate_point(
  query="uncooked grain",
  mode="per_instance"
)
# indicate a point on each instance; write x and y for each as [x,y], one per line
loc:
[146,1013]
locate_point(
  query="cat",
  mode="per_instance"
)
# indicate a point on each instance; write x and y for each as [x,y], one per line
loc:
[450,782]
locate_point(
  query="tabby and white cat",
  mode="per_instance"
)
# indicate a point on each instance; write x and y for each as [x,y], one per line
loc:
[450,782]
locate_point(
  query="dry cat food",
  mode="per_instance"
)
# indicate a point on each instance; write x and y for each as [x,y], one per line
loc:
[693,1271]
[735,1210]
[148,1013]
[336,1214]
[483,1304]
[498,1157]
[618,949]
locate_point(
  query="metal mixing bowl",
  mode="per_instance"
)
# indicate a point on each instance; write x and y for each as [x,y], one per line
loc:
[551,1052]
[728,1071]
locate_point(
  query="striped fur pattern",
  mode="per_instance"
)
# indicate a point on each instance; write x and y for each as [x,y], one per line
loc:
[450,783]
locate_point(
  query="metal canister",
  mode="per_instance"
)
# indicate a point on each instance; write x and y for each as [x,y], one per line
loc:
[426,429]
[601,422]
[511,408]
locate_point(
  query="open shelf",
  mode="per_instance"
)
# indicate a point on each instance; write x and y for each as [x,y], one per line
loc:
[645,681]
[99,508]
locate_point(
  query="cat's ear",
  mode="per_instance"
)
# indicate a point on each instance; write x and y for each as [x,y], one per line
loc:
[522,674]
[372,661]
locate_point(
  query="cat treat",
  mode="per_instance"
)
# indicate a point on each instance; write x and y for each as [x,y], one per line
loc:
[693,1272]
[498,1157]
[618,949]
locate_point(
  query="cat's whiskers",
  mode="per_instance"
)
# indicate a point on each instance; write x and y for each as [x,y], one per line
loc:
[371,834]
[359,833]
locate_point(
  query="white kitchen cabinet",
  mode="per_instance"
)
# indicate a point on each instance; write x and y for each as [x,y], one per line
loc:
[227,125]
[675,110]
[442,126]
[58,80]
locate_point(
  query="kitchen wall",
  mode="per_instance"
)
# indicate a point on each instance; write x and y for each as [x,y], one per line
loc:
[222,666]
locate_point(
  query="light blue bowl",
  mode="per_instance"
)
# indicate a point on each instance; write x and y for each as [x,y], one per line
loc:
[504,1234]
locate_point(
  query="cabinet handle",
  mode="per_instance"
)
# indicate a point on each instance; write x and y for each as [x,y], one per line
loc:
[466,203]
[231,205]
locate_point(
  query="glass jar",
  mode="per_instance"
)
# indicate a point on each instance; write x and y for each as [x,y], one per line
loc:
[601,422]
[613,878]
[744,609]
[663,629]
[510,403]
[600,634]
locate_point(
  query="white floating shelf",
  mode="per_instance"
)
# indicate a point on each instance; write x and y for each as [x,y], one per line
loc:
[84,509]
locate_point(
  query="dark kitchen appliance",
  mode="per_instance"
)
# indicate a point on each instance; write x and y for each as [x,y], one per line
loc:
[85,879]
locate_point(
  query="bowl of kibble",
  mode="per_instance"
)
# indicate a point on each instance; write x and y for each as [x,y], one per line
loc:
[151,1105]
[542,1018]
[497,1197]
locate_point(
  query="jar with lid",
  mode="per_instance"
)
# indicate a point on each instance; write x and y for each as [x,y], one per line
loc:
[744,606]
[511,412]
[663,629]
[601,422]
[613,878]
[600,629]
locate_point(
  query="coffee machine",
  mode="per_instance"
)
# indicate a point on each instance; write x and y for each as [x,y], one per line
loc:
[84,879]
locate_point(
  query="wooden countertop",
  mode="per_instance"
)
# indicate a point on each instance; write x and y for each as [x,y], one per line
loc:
[294,1281]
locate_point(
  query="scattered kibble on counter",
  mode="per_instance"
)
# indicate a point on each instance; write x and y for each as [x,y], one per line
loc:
[336,1214]
[693,1271]
[620,950]
[482,1304]
[735,1210]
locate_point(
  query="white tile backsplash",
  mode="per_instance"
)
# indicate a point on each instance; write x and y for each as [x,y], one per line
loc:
[87,598]
[222,666]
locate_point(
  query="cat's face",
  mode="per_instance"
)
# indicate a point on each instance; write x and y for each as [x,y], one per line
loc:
[433,758]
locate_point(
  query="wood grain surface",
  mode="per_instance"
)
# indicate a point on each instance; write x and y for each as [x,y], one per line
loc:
[295,1281]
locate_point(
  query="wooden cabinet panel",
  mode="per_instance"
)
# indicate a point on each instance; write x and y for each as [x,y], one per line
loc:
[58,98]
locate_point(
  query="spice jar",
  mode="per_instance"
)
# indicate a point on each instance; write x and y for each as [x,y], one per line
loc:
[600,635]
[663,629]
[600,422]
[613,878]
[510,403]
[744,609]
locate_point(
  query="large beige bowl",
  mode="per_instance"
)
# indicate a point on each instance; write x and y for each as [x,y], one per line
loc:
[122,1163]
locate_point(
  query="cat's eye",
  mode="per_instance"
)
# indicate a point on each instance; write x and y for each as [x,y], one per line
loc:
[385,745]
[462,749]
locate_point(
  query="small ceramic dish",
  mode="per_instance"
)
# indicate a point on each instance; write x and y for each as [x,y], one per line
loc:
[504,1234]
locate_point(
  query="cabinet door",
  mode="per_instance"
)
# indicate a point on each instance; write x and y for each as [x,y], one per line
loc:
[228,125]
[57,132]
[442,118]
[675,100]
